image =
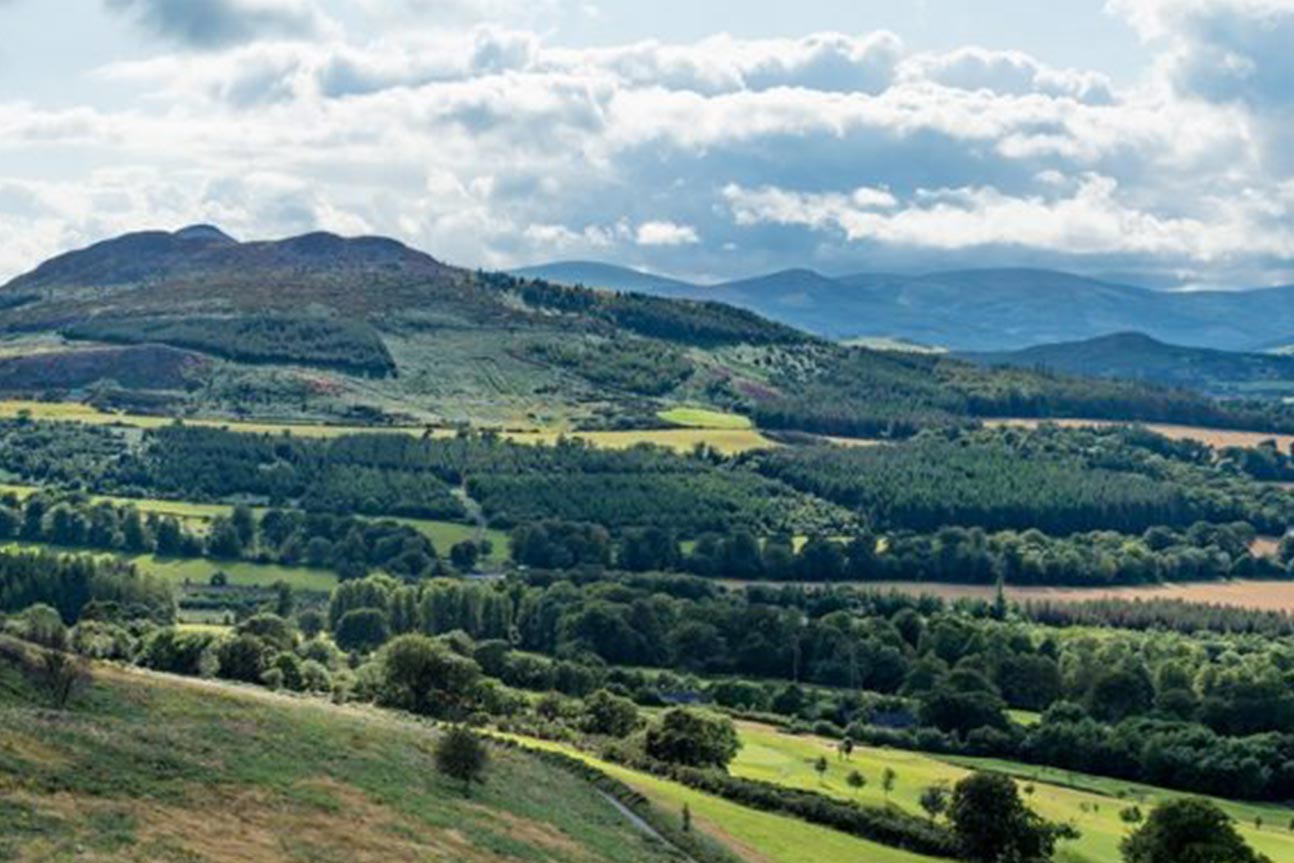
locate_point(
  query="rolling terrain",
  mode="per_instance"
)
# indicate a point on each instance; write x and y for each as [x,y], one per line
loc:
[367,332]
[978,310]
[153,768]
[1135,356]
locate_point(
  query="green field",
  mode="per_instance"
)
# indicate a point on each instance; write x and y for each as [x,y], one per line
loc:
[726,439]
[144,768]
[755,835]
[443,534]
[198,570]
[704,418]
[1091,804]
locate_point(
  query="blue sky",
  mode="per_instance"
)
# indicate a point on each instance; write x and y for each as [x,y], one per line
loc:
[702,139]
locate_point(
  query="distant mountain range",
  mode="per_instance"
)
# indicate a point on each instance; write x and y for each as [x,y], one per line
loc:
[1136,356]
[974,310]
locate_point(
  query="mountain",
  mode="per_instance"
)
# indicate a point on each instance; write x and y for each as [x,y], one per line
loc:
[991,309]
[323,327]
[1136,356]
[595,274]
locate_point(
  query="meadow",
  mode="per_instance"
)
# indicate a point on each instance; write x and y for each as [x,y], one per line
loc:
[1091,804]
[761,837]
[151,768]
[728,438]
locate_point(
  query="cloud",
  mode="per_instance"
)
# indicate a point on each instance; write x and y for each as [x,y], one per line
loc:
[491,146]
[209,24]
[665,234]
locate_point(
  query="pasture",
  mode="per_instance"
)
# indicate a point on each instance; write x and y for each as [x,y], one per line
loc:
[1092,804]
[151,768]
[729,439]
[757,836]
[703,418]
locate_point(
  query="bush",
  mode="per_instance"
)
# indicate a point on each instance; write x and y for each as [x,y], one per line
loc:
[362,630]
[462,756]
[423,676]
[693,738]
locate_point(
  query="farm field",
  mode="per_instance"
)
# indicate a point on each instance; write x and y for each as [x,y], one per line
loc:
[1258,595]
[198,570]
[758,836]
[443,534]
[704,418]
[128,774]
[729,439]
[1091,804]
[1210,436]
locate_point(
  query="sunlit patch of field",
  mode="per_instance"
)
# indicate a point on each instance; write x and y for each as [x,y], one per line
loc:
[1092,804]
[1210,436]
[197,516]
[725,440]
[759,837]
[703,418]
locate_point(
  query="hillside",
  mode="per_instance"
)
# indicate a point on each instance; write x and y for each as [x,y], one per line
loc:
[368,331]
[164,769]
[601,275]
[984,310]
[1136,356]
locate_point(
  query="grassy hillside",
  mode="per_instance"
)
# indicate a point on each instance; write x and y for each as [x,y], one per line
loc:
[144,768]
[367,331]
[1091,804]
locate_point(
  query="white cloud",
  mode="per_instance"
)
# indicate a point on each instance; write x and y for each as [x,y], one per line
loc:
[664,233]
[492,147]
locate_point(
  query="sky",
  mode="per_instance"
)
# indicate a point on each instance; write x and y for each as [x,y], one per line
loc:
[1144,140]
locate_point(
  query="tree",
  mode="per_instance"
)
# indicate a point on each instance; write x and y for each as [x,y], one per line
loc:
[461,756]
[820,767]
[887,782]
[612,715]
[60,676]
[934,800]
[693,738]
[846,748]
[856,780]
[992,824]
[1188,830]
[362,630]
[425,676]
[463,555]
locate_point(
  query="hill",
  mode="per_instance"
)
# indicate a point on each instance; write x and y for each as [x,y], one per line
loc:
[984,310]
[595,274]
[169,769]
[1136,356]
[369,331]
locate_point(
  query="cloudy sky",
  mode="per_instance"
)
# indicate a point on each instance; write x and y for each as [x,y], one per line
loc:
[704,138]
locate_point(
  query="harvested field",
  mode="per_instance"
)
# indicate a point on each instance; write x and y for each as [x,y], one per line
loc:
[1210,436]
[1260,595]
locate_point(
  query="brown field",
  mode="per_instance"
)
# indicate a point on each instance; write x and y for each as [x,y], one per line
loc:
[1260,595]
[1212,437]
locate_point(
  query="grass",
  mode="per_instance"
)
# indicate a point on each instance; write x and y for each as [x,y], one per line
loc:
[703,418]
[146,768]
[728,440]
[180,571]
[443,534]
[1092,804]
[757,836]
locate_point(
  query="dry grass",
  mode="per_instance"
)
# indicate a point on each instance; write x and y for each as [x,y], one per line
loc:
[1212,437]
[1260,595]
